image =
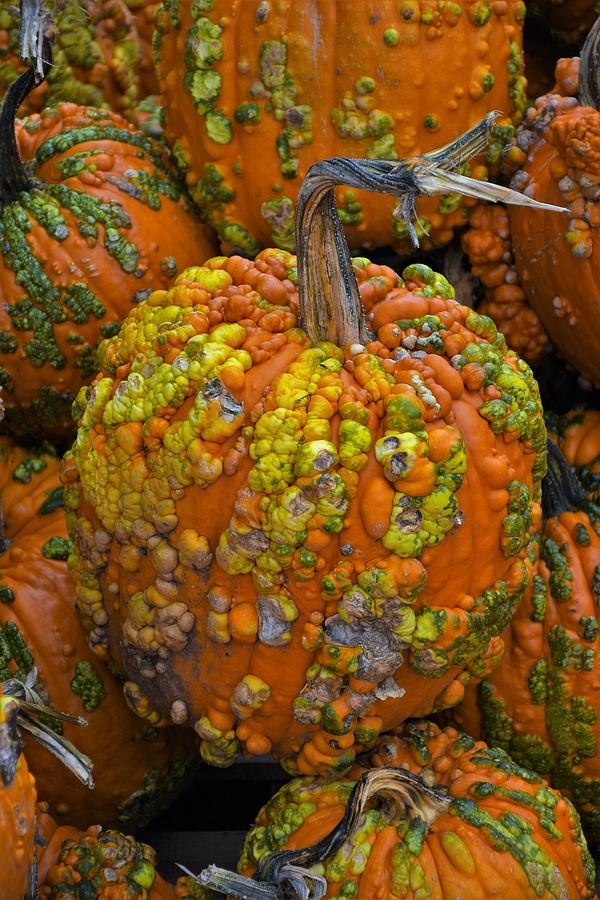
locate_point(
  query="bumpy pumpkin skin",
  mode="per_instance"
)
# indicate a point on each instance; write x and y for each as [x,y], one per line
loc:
[236,91]
[137,769]
[97,56]
[504,830]
[108,222]
[269,527]
[487,243]
[540,704]
[144,13]
[557,256]
[17,820]
[101,860]
[568,20]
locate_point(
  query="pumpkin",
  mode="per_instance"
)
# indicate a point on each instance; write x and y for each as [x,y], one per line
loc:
[304,500]
[577,433]
[568,20]
[97,58]
[101,863]
[137,768]
[540,704]
[434,814]
[91,219]
[236,91]
[487,243]
[144,13]
[556,258]
[17,803]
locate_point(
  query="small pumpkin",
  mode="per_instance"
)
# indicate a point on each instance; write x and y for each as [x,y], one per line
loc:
[577,434]
[144,14]
[137,768]
[90,219]
[434,814]
[540,704]
[354,79]
[98,59]
[17,804]
[297,496]
[556,258]
[487,243]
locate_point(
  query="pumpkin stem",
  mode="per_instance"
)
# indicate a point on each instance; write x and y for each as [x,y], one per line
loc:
[589,68]
[561,489]
[14,177]
[330,306]
[33,716]
[398,792]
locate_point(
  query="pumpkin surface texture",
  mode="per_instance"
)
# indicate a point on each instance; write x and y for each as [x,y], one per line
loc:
[435,815]
[292,82]
[247,501]
[17,804]
[556,258]
[540,704]
[578,435]
[98,59]
[137,768]
[97,217]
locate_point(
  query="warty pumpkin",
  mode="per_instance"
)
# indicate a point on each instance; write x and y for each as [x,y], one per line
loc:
[556,152]
[540,704]
[487,243]
[249,497]
[289,83]
[137,768]
[17,805]
[98,56]
[92,217]
[144,13]
[433,815]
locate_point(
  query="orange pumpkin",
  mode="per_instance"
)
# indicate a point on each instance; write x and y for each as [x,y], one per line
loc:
[578,435]
[17,803]
[137,768]
[556,258]
[144,13]
[487,243]
[95,218]
[435,814]
[98,60]
[292,568]
[290,83]
[540,704]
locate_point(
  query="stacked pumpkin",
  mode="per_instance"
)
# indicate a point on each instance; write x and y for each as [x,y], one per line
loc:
[284,463]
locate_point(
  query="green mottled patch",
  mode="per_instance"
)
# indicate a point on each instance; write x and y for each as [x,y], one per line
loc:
[88,685]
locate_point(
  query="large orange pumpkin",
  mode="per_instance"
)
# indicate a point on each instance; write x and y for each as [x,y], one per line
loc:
[288,517]
[435,815]
[556,258]
[255,92]
[137,768]
[17,804]
[540,704]
[95,218]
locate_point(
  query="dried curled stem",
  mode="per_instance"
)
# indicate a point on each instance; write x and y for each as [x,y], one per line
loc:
[589,68]
[329,298]
[32,716]
[286,873]
[561,489]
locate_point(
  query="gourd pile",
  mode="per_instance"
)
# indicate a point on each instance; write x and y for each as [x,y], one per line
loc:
[300,441]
